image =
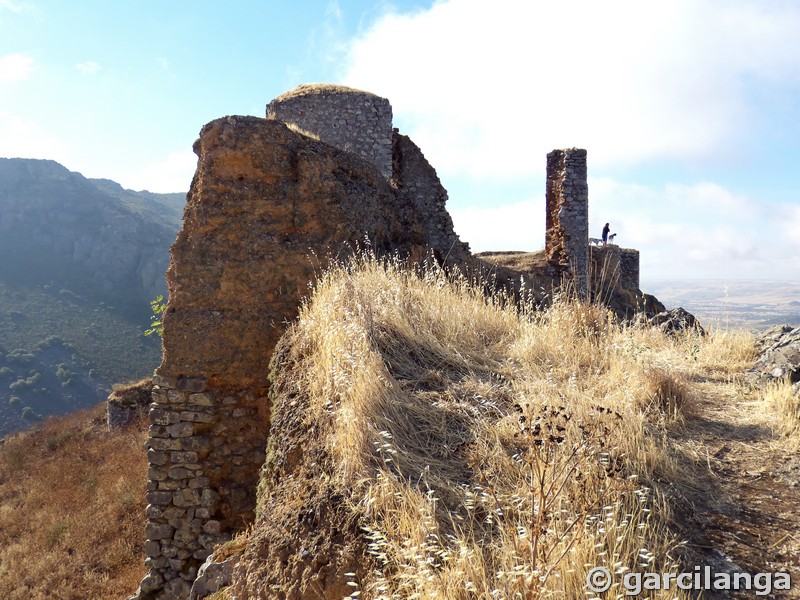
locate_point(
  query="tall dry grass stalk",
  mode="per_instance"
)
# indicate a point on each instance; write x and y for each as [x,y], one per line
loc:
[781,399]
[491,450]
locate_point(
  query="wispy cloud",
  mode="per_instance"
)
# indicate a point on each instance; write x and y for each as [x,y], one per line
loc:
[682,231]
[88,68]
[23,138]
[484,87]
[10,5]
[518,226]
[15,67]
[699,230]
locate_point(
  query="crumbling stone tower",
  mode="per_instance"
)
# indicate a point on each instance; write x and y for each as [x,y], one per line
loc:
[272,200]
[354,121]
[567,217]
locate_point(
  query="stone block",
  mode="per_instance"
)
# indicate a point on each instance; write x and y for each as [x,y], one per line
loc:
[198,443]
[158,531]
[212,527]
[191,384]
[160,416]
[159,498]
[151,583]
[165,381]
[156,474]
[152,548]
[157,458]
[196,417]
[176,397]
[186,498]
[209,498]
[155,562]
[165,444]
[180,430]
[183,457]
[180,473]
[204,399]
[177,588]
[198,482]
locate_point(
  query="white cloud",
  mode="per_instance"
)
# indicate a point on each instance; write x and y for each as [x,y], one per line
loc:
[22,138]
[682,231]
[10,5]
[171,174]
[15,67]
[485,88]
[88,68]
[518,226]
[695,231]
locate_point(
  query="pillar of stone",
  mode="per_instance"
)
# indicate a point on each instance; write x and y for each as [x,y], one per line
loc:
[567,216]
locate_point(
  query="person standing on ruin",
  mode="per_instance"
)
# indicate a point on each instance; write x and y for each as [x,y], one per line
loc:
[606,230]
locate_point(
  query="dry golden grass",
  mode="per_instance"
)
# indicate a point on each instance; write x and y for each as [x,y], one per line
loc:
[782,400]
[519,261]
[72,510]
[493,451]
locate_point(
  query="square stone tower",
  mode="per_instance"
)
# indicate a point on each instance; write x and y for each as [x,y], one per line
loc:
[567,218]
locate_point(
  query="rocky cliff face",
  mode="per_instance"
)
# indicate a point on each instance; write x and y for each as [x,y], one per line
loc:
[56,223]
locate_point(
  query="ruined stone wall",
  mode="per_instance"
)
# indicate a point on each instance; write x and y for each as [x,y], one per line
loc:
[604,266]
[419,186]
[629,268]
[267,209]
[567,215]
[355,121]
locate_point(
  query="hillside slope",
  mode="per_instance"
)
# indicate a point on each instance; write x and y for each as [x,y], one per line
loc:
[72,510]
[81,260]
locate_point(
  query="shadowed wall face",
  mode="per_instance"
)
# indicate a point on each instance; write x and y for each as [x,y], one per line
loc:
[567,215]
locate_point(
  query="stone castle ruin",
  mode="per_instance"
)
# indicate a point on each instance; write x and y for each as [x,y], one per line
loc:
[273,200]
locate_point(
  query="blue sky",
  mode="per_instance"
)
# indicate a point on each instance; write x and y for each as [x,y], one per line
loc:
[689,110]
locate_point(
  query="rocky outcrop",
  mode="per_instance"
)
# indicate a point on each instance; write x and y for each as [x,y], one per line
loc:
[128,403]
[677,320]
[778,354]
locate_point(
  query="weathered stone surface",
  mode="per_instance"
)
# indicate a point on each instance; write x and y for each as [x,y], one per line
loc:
[298,194]
[779,354]
[567,215]
[357,122]
[126,403]
[676,320]
[158,532]
[212,577]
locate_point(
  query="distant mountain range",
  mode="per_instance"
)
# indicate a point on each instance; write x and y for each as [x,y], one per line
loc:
[80,259]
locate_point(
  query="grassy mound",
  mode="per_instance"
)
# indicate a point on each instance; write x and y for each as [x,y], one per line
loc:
[430,442]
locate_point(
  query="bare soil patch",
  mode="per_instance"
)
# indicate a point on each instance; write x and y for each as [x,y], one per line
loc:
[742,508]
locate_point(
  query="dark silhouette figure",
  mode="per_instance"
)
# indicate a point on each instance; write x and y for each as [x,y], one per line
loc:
[606,229]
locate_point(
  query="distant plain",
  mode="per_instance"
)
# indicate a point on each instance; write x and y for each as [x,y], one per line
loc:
[753,305]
